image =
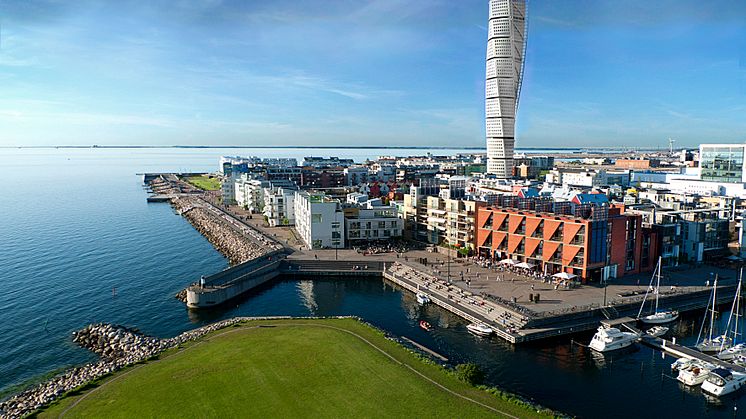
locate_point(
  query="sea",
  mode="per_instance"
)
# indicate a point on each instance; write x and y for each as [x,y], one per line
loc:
[79,244]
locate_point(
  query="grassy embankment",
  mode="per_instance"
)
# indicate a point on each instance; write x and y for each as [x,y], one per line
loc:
[204,182]
[296,368]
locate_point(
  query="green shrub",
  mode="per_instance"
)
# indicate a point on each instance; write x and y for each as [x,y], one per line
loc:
[471,373]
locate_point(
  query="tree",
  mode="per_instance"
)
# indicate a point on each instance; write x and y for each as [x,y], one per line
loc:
[471,373]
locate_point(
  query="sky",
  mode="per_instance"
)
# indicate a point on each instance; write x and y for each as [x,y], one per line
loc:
[615,73]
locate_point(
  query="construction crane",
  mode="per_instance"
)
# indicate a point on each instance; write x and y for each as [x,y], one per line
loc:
[670,144]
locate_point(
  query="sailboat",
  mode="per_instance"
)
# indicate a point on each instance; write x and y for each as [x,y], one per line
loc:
[712,343]
[735,311]
[657,317]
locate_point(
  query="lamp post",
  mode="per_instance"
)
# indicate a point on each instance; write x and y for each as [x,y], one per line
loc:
[449,262]
[605,285]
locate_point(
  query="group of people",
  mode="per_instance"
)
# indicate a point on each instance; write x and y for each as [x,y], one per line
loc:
[391,246]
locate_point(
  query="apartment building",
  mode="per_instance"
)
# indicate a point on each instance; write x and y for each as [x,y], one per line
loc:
[319,220]
[595,243]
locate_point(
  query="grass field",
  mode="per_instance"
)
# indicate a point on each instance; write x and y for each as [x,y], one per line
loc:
[297,368]
[204,182]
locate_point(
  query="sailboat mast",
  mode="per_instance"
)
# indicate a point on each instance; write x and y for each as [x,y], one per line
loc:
[732,311]
[658,285]
[645,298]
[738,305]
[714,303]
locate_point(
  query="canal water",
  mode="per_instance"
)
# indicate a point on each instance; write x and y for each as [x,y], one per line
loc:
[79,244]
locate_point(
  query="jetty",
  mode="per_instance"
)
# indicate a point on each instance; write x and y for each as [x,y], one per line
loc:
[680,351]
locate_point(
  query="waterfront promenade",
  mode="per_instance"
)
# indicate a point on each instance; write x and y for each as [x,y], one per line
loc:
[521,305]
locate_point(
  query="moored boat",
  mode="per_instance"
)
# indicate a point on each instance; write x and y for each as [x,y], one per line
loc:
[422,298]
[694,374]
[658,316]
[722,381]
[610,339]
[733,352]
[480,329]
[425,325]
[657,331]
[715,345]
[681,363]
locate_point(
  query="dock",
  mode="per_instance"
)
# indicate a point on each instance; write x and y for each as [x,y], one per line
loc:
[686,352]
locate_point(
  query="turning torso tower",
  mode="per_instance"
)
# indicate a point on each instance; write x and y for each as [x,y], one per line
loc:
[506,46]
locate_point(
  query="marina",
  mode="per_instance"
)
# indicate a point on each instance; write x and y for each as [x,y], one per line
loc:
[153,275]
[512,321]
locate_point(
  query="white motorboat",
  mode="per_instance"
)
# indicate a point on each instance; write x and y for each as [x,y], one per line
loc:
[610,339]
[733,352]
[681,363]
[658,316]
[480,329]
[422,298]
[657,331]
[723,381]
[694,374]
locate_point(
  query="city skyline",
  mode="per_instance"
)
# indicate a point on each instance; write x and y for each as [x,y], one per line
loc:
[371,73]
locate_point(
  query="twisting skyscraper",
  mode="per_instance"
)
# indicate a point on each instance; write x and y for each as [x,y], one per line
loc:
[506,46]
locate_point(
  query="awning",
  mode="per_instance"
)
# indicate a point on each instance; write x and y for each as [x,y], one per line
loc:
[564,275]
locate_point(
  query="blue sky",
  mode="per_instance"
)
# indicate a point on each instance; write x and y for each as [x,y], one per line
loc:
[357,72]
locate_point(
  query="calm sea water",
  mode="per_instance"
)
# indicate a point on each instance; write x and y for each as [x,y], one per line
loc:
[74,225]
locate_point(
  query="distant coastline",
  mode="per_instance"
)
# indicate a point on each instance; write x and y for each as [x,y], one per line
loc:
[327,147]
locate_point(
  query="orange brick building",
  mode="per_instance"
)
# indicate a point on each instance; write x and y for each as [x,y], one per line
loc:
[591,248]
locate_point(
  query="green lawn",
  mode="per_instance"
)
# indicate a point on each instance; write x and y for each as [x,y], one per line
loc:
[204,182]
[300,368]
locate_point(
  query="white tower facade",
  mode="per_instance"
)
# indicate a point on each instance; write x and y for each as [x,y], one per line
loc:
[506,47]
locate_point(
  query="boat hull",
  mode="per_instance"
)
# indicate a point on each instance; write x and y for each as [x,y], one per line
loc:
[657,319]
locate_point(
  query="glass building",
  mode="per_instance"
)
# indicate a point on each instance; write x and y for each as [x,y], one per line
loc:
[722,162]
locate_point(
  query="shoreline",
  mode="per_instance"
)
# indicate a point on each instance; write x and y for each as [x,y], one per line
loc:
[120,347]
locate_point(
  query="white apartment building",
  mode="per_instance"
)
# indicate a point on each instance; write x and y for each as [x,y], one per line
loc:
[319,220]
[228,189]
[279,206]
[372,222]
[249,193]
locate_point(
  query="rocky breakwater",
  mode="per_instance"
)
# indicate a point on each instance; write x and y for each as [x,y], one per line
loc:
[118,347]
[238,246]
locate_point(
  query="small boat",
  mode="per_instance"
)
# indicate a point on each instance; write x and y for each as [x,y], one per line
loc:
[681,363]
[712,344]
[422,298]
[657,317]
[660,317]
[733,351]
[480,329]
[425,325]
[657,331]
[716,344]
[610,339]
[694,374]
[739,349]
[722,381]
